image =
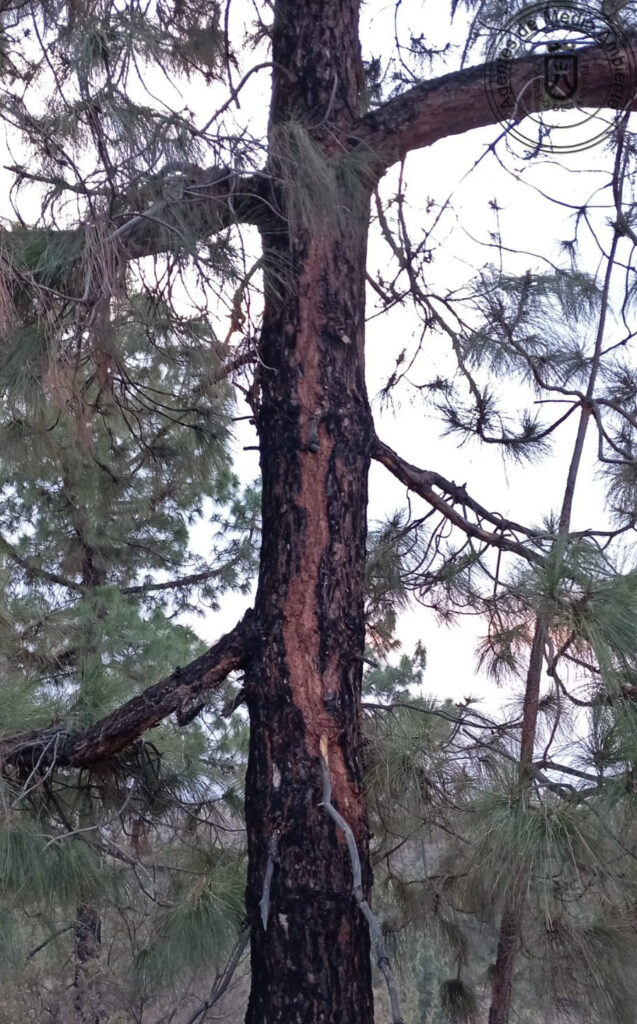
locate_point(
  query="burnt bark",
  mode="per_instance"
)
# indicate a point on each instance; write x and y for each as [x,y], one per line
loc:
[87,931]
[183,692]
[310,947]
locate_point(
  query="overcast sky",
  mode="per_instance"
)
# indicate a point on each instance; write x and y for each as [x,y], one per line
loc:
[527,221]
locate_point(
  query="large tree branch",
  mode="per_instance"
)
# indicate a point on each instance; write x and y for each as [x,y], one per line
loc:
[171,212]
[174,210]
[457,102]
[423,481]
[183,692]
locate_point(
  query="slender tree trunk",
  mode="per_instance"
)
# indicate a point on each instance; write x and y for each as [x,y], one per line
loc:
[87,930]
[310,943]
[505,965]
[511,921]
[87,943]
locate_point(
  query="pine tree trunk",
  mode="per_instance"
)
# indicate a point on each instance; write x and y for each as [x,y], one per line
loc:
[87,941]
[310,943]
[87,931]
[504,966]
[511,921]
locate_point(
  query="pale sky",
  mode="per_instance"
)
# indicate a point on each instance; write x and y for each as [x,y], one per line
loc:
[527,221]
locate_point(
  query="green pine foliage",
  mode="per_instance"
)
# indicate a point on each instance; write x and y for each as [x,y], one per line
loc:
[198,922]
[529,330]
[108,459]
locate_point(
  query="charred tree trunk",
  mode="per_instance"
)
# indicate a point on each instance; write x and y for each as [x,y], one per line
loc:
[87,933]
[87,930]
[310,943]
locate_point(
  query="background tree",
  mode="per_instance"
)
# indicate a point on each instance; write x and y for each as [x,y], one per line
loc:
[95,570]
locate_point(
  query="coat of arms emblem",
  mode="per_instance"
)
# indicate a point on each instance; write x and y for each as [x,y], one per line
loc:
[560,75]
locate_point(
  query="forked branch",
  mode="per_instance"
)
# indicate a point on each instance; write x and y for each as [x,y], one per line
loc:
[423,482]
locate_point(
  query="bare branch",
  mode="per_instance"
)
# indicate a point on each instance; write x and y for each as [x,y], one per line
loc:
[422,482]
[457,102]
[181,691]
[226,976]
[184,581]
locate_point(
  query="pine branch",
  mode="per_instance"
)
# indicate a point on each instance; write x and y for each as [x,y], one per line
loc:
[423,481]
[178,692]
[169,213]
[457,102]
[464,724]
[183,581]
[32,569]
[199,202]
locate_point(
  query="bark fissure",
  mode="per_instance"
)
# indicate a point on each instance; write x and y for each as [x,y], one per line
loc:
[304,687]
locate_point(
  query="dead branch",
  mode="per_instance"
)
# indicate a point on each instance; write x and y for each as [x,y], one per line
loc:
[175,693]
[423,481]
